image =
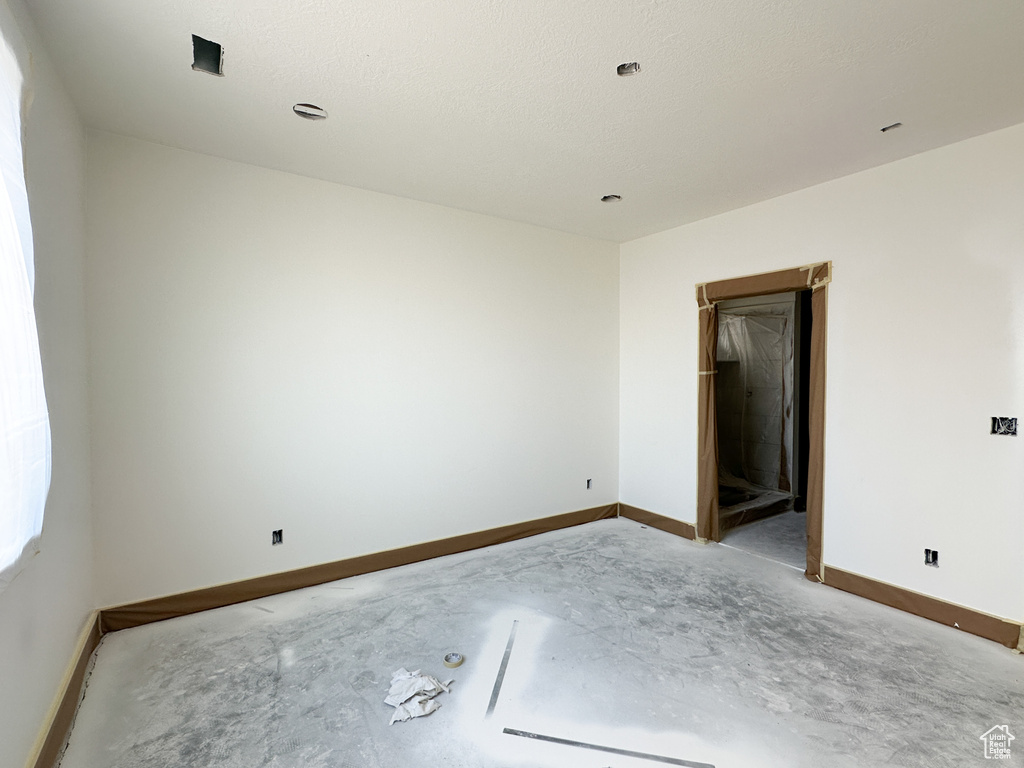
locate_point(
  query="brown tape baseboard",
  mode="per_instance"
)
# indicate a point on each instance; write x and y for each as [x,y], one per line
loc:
[63,715]
[952,615]
[653,519]
[158,609]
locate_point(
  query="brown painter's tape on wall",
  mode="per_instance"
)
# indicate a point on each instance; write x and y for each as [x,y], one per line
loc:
[158,609]
[1004,632]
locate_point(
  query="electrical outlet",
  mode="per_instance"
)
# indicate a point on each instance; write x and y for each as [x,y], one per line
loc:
[1004,425]
[589,481]
[277,537]
[931,557]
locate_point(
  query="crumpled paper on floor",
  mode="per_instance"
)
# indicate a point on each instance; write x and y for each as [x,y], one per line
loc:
[412,694]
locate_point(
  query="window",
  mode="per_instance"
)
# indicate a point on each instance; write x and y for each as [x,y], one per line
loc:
[24,423]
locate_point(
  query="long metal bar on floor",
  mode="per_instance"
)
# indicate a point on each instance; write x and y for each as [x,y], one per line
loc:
[612,750]
[501,670]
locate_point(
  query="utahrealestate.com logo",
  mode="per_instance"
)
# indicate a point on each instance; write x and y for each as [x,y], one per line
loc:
[997,742]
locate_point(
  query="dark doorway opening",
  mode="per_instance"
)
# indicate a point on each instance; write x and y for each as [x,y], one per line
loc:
[762,392]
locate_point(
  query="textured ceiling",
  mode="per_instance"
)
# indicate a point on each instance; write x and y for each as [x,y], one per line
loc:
[513,108]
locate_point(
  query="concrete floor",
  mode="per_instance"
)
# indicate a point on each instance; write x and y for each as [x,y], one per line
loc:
[627,637]
[782,538]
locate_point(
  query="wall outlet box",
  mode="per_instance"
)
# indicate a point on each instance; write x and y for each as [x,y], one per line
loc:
[1004,425]
[277,537]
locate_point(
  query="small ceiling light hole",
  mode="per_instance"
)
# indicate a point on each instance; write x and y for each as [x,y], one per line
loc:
[611,198]
[627,69]
[890,127]
[207,56]
[310,111]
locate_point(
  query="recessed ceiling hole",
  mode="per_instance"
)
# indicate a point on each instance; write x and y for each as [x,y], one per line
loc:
[310,111]
[611,198]
[627,69]
[890,127]
[207,56]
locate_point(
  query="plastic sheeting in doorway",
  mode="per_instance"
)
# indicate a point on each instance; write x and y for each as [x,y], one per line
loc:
[755,396]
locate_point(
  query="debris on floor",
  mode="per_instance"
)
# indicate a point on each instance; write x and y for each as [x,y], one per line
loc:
[412,694]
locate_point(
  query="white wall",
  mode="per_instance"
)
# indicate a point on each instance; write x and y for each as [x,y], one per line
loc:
[44,609]
[925,344]
[363,371]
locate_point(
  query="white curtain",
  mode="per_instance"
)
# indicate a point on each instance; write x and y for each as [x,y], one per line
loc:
[24,423]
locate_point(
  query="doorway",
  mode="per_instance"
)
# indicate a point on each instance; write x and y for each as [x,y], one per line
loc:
[762,391]
[762,406]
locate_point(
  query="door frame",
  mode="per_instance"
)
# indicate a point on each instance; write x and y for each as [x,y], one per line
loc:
[816,278]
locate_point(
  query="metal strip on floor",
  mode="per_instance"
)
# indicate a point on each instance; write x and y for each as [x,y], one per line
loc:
[501,670]
[612,750]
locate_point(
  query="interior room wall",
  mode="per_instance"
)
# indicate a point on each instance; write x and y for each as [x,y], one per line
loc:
[362,371]
[925,345]
[44,609]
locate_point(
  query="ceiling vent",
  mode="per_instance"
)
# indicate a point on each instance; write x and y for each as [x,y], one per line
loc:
[310,111]
[207,56]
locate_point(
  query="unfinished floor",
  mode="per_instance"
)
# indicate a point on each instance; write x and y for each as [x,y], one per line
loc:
[627,638]
[782,538]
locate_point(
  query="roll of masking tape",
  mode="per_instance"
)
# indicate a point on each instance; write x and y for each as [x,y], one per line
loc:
[453,659]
